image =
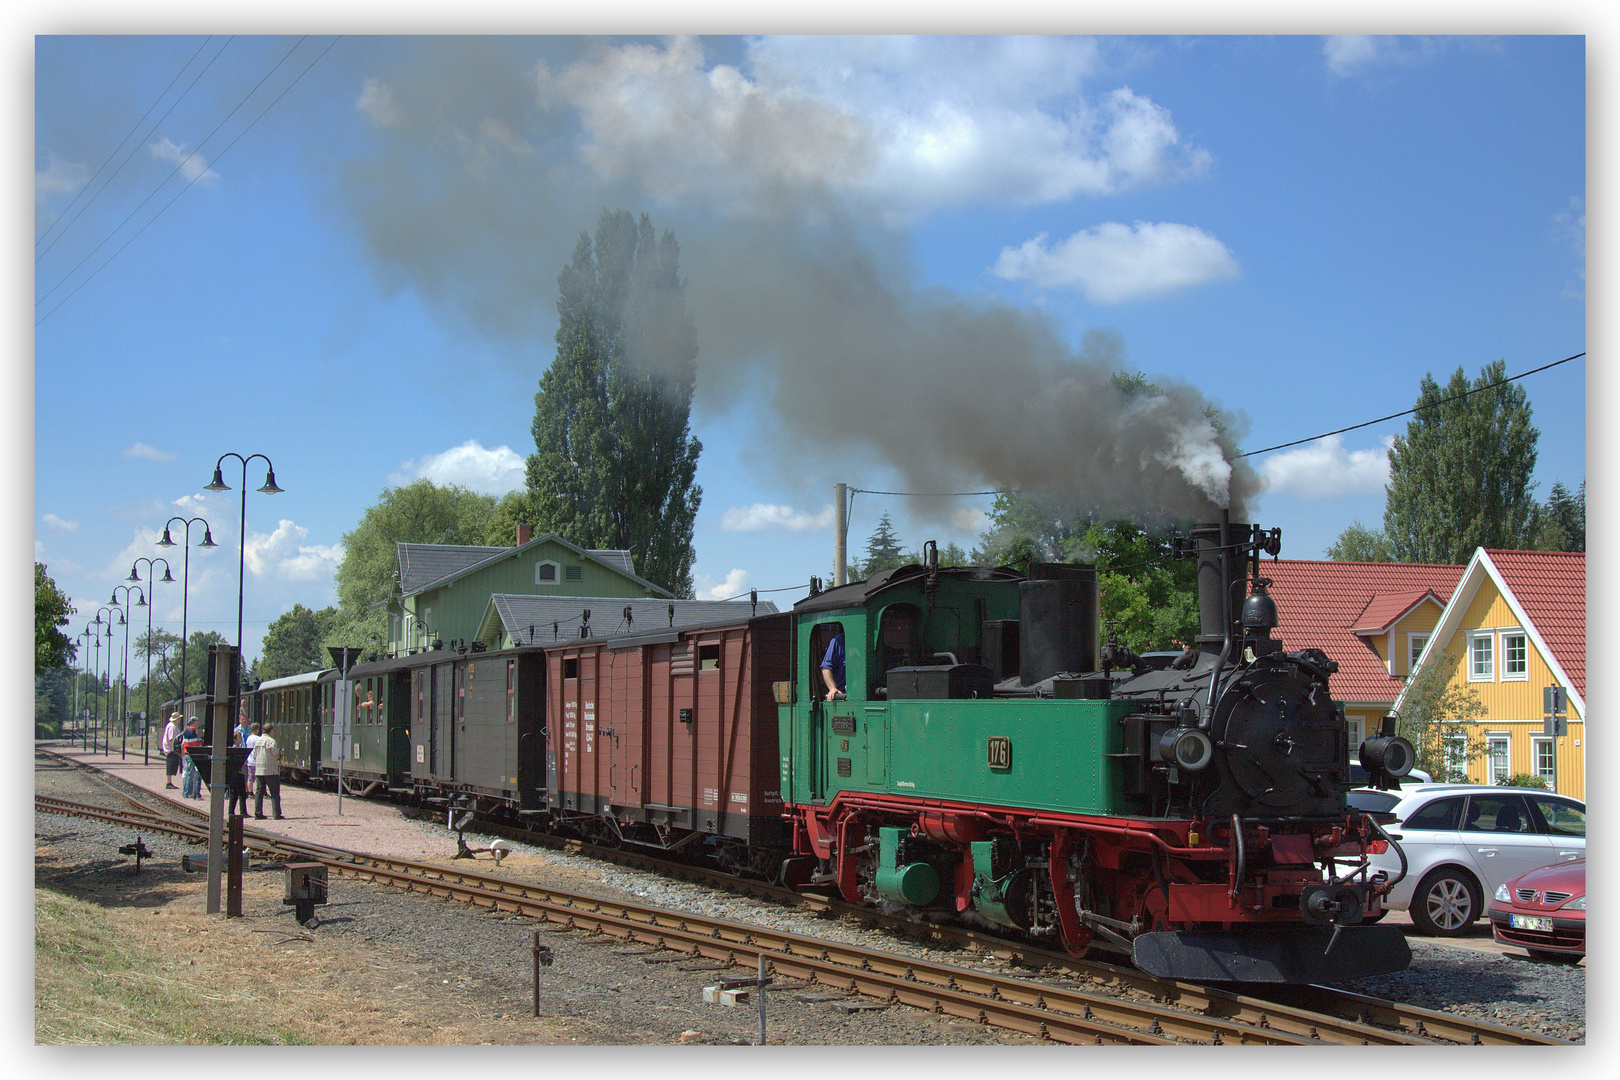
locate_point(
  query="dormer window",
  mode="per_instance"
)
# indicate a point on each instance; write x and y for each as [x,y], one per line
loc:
[545,573]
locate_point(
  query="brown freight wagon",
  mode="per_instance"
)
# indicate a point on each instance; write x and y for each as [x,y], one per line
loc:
[671,736]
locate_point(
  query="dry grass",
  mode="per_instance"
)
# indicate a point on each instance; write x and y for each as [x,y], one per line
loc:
[108,972]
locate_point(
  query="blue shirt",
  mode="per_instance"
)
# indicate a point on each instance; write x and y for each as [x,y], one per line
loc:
[834,660]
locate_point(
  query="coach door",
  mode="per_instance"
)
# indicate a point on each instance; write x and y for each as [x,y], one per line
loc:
[443,720]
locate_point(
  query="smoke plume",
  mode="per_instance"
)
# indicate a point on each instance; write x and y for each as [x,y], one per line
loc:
[789,194]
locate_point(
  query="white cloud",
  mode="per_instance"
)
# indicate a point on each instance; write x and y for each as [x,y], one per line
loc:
[761,517]
[491,471]
[906,124]
[147,453]
[736,583]
[1112,263]
[58,524]
[283,555]
[193,166]
[59,177]
[1324,469]
[377,104]
[1351,54]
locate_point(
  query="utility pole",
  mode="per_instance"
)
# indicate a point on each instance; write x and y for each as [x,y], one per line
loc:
[840,534]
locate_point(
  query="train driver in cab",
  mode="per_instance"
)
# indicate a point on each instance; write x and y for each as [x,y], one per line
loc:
[832,667]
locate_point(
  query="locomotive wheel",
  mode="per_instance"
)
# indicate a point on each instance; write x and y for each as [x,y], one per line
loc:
[1369,919]
[1446,903]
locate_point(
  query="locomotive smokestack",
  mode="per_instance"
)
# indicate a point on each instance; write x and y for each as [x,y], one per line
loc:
[1220,580]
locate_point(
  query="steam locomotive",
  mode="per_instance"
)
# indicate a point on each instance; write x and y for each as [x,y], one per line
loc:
[989,759]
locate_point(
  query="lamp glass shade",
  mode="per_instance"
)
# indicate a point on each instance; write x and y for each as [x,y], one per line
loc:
[207,540]
[270,487]
[166,541]
[219,483]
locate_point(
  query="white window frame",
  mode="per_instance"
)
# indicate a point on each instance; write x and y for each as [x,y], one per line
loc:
[1475,639]
[1493,741]
[556,572]
[1356,729]
[1523,675]
[1541,745]
[1454,754]
[1414,648]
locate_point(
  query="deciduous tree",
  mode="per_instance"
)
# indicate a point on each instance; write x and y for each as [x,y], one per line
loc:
[292,643]
[614,458]
[1460,478]
[1358,543]
[418,513]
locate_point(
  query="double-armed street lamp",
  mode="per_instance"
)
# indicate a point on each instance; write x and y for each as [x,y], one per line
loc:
[216,811]
[185,581]
[269,488]
[108,701]
[123,676]
[166,579]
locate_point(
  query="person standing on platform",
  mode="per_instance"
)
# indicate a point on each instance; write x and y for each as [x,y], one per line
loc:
[267,773]
[247,770]
[169,743]
[191,743]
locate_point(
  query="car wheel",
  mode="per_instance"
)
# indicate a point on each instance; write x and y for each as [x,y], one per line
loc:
[1446,903]
[1556,957]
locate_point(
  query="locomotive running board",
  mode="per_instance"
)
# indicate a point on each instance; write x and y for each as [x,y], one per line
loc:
[1297,957]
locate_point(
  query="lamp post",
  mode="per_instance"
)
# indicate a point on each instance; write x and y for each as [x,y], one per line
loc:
[216,810]
[107,730]
[185,582]
[123,712]
[83,638]
[166,579]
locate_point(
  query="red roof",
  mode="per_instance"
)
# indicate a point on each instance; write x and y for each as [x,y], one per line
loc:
[1320,604]
[1551,588]
[1386,609]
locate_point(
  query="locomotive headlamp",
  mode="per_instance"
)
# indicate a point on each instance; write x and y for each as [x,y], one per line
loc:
[1186,748]
[1389,754]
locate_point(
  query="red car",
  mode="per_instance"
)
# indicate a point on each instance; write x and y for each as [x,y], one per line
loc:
[1544,911]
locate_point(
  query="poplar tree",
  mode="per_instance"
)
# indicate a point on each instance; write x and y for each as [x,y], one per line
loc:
[614,458]
[1460,477]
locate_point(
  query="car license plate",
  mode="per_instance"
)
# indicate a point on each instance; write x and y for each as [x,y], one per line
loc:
[1531,922]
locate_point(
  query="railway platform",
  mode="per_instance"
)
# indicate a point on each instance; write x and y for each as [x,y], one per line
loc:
[307,814]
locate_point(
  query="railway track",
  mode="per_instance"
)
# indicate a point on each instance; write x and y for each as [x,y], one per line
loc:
[1105,1006]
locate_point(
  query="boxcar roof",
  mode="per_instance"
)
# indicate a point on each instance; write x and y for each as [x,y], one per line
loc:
[519,613]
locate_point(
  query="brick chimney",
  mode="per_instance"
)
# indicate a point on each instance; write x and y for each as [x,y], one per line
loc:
[524,534]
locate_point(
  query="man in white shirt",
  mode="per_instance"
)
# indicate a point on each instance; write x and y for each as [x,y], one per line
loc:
[266,760]
[169,743]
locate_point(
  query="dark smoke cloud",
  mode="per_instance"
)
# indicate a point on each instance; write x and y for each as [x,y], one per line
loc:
[483,176]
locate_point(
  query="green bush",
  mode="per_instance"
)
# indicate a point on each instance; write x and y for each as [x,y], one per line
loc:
[1523,779]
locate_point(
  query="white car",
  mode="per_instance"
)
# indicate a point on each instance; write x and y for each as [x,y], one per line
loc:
[1462,841]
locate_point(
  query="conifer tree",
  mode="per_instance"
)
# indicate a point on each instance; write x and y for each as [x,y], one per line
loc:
[614,459]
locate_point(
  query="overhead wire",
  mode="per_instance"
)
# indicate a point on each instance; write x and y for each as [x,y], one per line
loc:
[217,157]
[125,139]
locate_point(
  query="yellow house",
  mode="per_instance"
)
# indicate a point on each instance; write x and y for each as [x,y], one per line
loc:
[1515,625]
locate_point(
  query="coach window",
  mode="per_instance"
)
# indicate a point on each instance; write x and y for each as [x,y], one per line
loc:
[709,657]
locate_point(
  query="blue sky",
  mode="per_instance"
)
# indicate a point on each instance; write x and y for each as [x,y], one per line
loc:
[908,261]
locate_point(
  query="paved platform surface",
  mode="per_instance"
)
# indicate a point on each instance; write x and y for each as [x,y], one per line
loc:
[309,815]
